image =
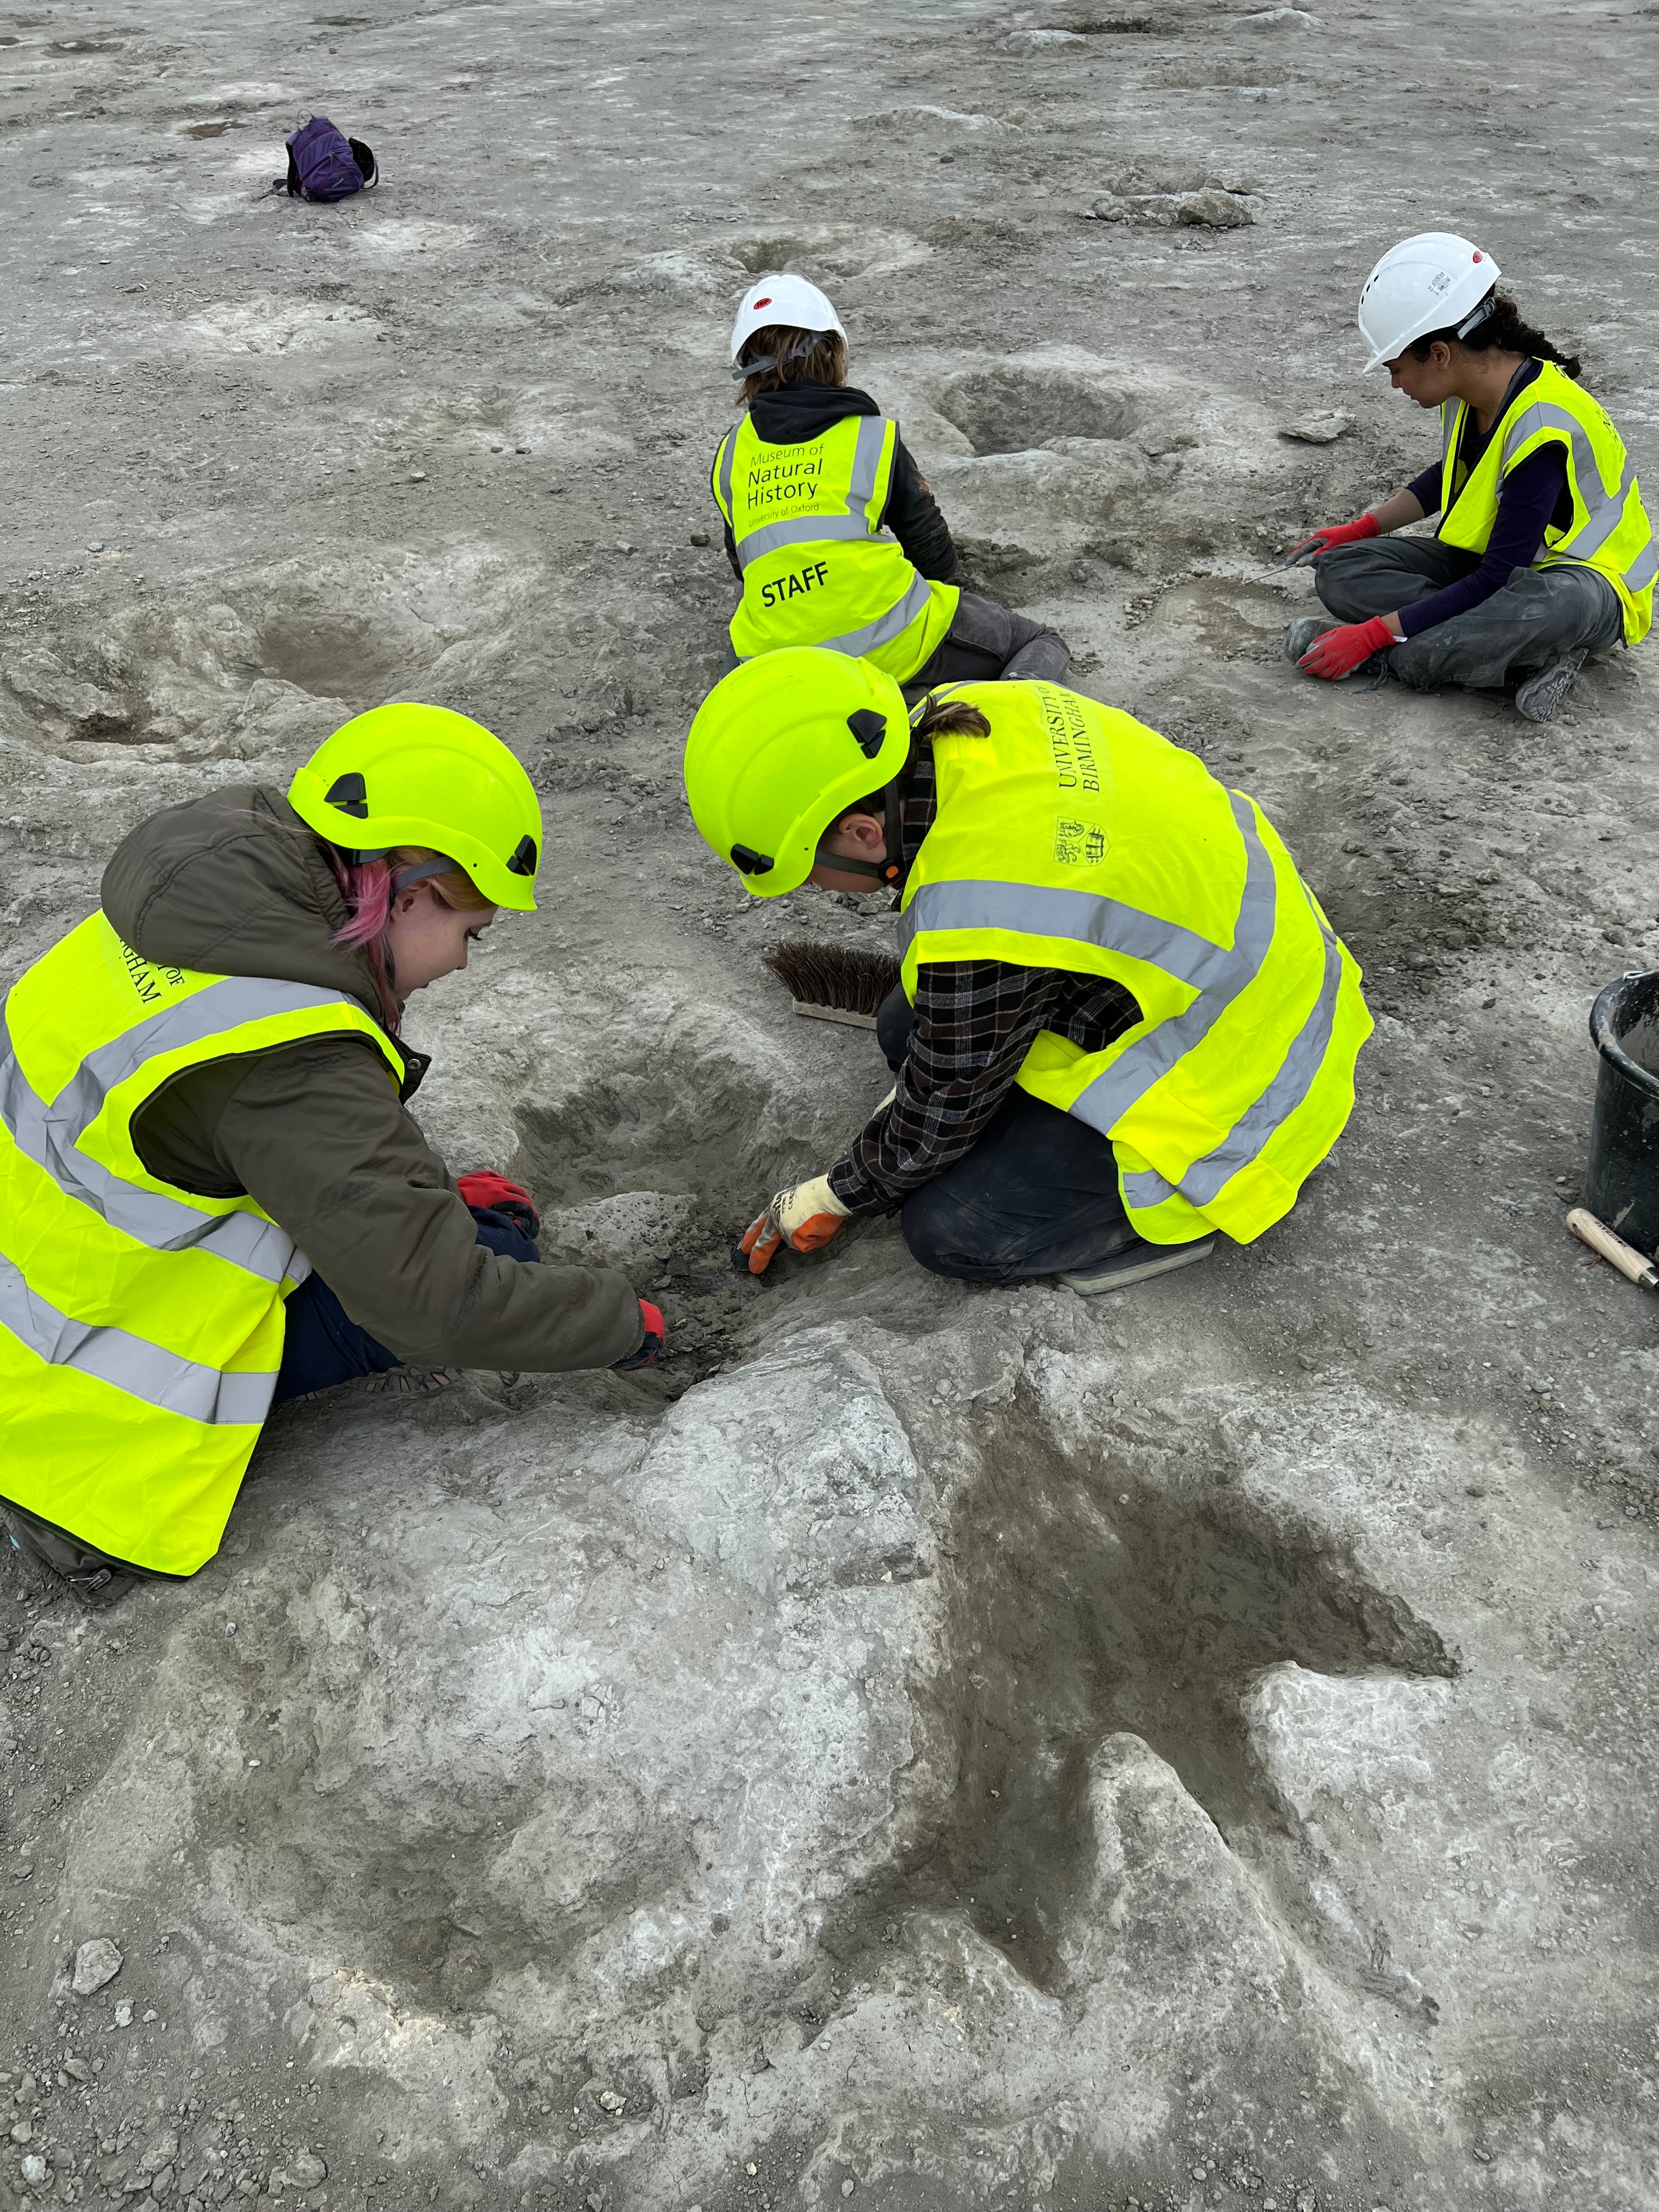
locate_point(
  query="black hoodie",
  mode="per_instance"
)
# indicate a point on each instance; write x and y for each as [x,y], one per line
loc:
[800,411]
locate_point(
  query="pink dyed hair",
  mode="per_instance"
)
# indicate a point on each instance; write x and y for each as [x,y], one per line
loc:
[366,887]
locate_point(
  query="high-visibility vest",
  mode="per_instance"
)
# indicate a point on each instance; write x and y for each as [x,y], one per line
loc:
[1609,531]
[140,1325]
[1074,837]
[818,566]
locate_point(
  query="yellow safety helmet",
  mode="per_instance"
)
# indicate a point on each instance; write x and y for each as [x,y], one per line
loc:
[779,748]
[407,775]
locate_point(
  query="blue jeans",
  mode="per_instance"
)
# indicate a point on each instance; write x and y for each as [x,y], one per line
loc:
[323,1346]
[1037,1195]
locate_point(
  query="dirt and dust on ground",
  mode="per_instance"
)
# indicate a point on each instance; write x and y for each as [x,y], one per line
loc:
[924,1746]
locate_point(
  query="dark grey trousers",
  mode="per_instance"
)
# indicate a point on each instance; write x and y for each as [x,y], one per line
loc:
[987,642]
[1541,615]
[1038,1195]
[984,642]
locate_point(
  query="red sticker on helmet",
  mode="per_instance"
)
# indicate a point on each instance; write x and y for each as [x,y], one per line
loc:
[1479,257]
[767,303]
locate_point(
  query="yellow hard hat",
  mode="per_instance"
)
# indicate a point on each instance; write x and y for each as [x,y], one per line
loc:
[779,748]
[407,775]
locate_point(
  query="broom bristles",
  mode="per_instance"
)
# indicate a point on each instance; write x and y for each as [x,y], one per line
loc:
[835,976]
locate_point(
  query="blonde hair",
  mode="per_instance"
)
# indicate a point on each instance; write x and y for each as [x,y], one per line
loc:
[366,886]
[455,888]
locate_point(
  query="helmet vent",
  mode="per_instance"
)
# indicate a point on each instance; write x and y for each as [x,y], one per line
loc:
[523,862]
[751,862]
[349,793]
[870,729]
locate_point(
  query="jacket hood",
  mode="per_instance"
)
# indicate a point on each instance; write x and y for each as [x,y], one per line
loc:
[236,884]
[800,412]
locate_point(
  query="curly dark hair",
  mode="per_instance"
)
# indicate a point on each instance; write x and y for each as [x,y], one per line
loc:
[1505,330]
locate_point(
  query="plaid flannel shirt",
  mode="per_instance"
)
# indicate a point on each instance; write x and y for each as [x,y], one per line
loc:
[976,1020]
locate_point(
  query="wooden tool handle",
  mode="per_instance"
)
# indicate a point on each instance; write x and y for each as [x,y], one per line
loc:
[1600,1238]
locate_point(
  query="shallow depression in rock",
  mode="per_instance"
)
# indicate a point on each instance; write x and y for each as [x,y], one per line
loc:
[1012,410]
[1083,1603]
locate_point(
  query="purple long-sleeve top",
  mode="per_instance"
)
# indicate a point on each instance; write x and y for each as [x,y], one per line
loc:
[1532,496]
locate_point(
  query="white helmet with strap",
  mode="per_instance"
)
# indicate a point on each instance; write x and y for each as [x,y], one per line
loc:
[788,302]
[1434,281]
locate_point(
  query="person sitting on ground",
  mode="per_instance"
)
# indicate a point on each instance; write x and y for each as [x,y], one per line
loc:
[1544,554]
[829,525]
[1123,1023]
[214,1196]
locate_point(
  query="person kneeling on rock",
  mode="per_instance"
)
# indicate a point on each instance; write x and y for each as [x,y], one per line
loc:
[1123,1022]
[1544,554]
[829,525]
[214,1198]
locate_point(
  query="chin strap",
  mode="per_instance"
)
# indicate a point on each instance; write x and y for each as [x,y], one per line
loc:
[803,345]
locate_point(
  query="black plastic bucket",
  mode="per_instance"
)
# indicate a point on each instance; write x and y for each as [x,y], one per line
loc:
[1621,1187]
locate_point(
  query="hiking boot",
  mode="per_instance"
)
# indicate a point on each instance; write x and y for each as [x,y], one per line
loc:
[92,1577]
[1303,632]
[402,1382]
[1540,697]
[1137,1262]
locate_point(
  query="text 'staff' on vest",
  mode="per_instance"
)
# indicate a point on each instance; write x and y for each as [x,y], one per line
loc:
[818,566]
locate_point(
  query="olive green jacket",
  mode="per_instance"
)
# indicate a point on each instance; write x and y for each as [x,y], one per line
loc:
[235,883]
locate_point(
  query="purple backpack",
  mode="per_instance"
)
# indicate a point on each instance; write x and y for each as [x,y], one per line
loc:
[324,164]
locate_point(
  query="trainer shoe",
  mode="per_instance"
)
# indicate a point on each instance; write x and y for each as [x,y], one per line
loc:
[1540,697]
[1137,1263]
[1303,632]
[402,1382]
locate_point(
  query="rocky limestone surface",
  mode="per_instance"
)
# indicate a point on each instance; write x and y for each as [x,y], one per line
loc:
[925,1747]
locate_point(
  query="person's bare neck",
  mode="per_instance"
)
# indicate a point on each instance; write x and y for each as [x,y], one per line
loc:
[1484,381]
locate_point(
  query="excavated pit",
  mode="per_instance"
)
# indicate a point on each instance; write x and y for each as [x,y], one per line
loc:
[1014,410]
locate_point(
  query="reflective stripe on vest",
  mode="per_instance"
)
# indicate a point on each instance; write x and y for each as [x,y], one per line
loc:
[810,530]
[142,1370]
[833,577]
[1613,536]
[48,1135]
[1222,1099]
[140,1325]
[1205,1179]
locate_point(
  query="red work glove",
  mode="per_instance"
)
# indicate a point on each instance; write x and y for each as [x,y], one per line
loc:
[1339,652]
[1333,533]
[651,1321]
[495,1194]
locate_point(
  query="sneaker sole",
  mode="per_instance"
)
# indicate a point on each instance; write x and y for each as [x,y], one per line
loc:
[1301,634]
[1540,698]
[1164,1261]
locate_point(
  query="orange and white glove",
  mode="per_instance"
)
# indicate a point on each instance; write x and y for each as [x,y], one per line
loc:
[803,1218]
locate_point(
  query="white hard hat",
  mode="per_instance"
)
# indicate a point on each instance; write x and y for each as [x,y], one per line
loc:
[789,302]
[1434,281]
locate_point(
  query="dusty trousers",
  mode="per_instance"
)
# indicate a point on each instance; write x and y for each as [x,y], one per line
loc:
[986,642]
[323,1346]
[1540,616]
[1037,1195]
